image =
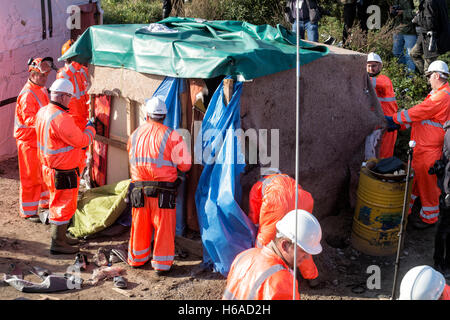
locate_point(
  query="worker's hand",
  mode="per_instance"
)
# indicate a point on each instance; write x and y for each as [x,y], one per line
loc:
[391,125]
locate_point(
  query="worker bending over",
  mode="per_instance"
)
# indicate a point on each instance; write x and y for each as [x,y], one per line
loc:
[267,273]
[426,121]
[33,192]
[386,96]
[60,142]
[155,153]
[269,200]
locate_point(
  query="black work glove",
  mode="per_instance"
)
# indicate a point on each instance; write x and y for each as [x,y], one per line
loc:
[391,125]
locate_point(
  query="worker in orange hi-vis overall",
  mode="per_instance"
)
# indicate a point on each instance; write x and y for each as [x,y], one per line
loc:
[33,192]
[386,96]
[60,142]
[269,200]
[267,273]
[77,74]
[155,153]
[426,120]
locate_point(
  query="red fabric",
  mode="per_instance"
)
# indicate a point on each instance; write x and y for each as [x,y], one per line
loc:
[33,191]
[268,207]
[102,112]
[426,120]
[250,266]
[385,91]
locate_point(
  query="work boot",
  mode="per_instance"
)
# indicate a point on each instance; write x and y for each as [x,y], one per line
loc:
[71,240]
[59,243]
[34,219]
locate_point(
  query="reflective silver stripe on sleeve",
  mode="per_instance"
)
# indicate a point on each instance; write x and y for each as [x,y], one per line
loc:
[432,123]
[388,99]
[406,114]
[399,117]
[263,277]
[16,121]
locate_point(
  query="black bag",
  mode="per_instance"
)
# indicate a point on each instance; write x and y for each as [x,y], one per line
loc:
[137,198]
[66,179]
[167,199]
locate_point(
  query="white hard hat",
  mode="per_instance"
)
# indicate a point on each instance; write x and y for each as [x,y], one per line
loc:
[309,232]
[422,283]
[438,66]
[62,85]
[373,57]
[155,106]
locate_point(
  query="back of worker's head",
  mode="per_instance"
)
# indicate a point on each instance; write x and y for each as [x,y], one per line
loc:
[156,108]
[422,283]
[309,232]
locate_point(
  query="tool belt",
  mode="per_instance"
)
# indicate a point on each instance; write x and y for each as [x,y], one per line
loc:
[66,179]
[166,192]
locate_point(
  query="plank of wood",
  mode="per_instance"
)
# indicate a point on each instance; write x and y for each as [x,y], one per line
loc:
[227,89]
[112,142]
[126,293]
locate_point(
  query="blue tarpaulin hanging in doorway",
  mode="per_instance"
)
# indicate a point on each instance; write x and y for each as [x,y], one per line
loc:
[169,91]
[225,229]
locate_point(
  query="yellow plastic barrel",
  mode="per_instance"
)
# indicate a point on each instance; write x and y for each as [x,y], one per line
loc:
[378,214]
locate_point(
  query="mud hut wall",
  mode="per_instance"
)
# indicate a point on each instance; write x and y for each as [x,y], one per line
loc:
[338,109]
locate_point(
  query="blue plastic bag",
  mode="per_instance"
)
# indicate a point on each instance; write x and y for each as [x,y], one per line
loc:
[225,229]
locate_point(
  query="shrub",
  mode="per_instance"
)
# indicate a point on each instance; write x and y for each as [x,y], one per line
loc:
[131,11]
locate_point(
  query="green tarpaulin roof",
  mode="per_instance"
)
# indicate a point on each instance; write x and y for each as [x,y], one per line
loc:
[199,48]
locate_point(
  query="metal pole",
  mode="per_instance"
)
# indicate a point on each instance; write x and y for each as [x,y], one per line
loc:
[297,108]
[412,144]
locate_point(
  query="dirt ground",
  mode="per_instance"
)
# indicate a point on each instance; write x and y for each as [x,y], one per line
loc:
[343,270]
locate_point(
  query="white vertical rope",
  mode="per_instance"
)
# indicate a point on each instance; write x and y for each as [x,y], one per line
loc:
[297,108]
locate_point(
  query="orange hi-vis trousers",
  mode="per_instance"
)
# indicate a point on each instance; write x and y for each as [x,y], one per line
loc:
[63,203]
[146,221]
[424,184]
[33,191]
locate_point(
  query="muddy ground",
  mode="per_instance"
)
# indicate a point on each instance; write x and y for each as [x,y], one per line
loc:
[343,270]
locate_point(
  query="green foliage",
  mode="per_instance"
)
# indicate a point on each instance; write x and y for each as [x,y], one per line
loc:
[131,11]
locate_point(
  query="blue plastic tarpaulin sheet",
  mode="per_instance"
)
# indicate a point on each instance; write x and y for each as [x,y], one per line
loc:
[225,229]
[169,91]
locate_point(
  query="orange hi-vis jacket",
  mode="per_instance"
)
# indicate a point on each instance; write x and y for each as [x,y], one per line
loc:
[60,142]
[155,153]
[270,199]
[30,100]
[78,105]
[59,138]
[386,97]
[259,274]
[426,121]
[33,191]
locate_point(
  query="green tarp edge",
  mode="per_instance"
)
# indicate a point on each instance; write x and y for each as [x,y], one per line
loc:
[199,48]
[99,208]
